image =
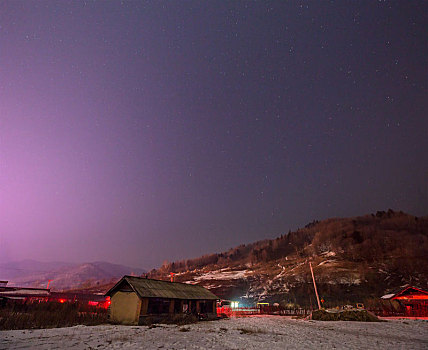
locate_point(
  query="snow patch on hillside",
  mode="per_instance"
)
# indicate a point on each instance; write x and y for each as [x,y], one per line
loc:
[328,254]
[223,274]
[326,262]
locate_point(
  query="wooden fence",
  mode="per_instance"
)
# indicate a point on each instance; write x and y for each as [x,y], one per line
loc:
[262,310]
[275,310]
[402,313]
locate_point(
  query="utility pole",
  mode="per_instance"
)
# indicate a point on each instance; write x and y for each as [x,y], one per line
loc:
[315,285]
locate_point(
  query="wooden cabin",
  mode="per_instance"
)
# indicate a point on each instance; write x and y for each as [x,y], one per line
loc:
[135,298]
[409,301]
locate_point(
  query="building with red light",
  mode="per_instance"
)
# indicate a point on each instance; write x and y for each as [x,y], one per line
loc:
[409,301]
[31,295]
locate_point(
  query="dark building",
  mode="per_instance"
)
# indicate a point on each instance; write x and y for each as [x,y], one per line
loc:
[21,294]
[32,295]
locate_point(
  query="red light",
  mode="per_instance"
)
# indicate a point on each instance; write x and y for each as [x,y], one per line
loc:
[61,301]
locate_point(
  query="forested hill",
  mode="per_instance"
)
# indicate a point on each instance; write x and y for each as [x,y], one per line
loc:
[375,252]
[374,237]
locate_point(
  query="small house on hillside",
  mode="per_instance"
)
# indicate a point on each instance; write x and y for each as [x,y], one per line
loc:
[410,301]
[134,298]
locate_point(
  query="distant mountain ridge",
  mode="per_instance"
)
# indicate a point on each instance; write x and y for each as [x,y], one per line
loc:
[31,273]
[353,258]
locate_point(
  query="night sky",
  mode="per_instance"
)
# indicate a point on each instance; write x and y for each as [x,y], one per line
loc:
[138,132]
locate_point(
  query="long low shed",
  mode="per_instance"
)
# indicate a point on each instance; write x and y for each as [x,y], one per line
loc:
[134,298]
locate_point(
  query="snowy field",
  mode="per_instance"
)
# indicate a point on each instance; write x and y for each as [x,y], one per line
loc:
[258,332]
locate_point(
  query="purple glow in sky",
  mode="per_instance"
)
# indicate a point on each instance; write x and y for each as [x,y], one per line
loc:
[135,132]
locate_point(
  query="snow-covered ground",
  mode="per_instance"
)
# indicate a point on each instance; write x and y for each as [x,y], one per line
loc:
[258,332]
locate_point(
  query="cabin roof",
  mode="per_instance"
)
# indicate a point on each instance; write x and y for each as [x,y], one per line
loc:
[22,291]
[151,288]
[403,291]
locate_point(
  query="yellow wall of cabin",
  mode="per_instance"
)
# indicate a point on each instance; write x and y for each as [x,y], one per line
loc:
[125,308]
